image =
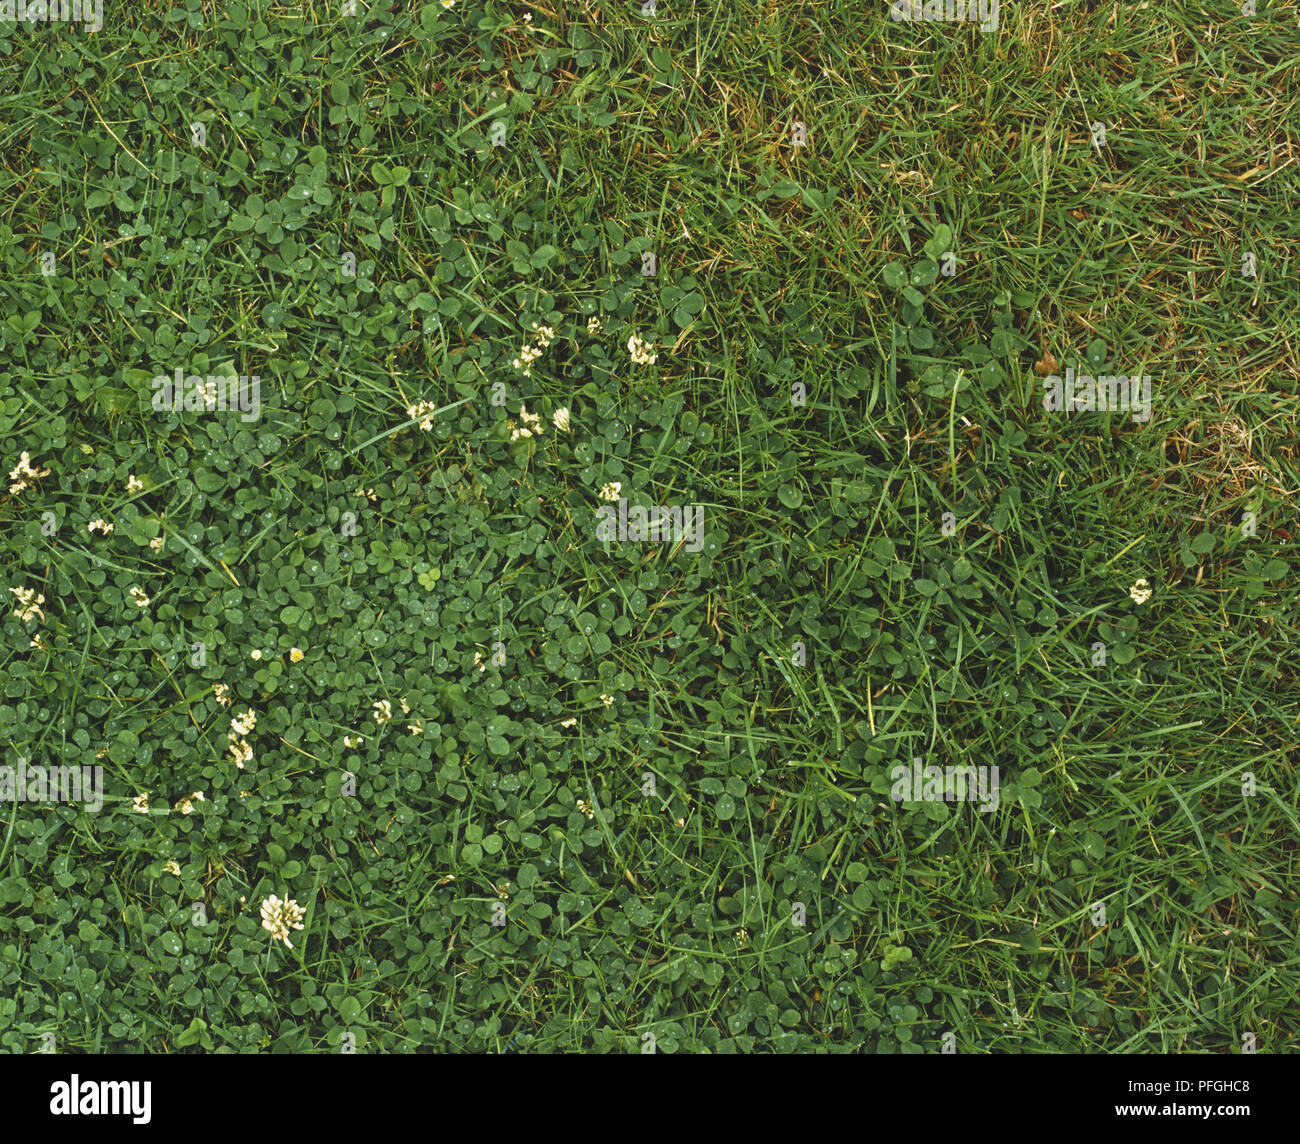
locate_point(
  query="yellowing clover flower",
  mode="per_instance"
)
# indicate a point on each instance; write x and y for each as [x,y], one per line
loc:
[31,602]
[171,867]
[383,710]
[593,325]
[244,724]
[134,484]
[640,351]
[222,693]
[611,491]
[140,803]
[585,807]
[1140,592]
[607,700]
[141,600]
[280,917]
[23,474]
[100,525]
[423,413]
[295,655]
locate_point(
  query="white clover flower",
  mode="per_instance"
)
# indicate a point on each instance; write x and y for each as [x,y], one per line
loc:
[100,526]
[244,724]
[585,807]
[1140,592]
[295,655]
[423,413]
[141,600]
[134,484]
[545,335]
[172,867]
[527,355]
[198,796]
[560,419]
[611,491]
[256,653]
[448,4]
[240,751]
[415,728]
[640,351]
[405,709]
[353,741]
[184,806]
[478,661]
[593,325]
[607,700]
[280,917]
[570,722]
[39,642]
[383,710]
[31,602]
[22,474]
[140,803]
[222,693]
[156,543]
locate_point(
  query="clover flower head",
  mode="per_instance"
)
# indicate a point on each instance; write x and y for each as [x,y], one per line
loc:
[280,917]
[640,351]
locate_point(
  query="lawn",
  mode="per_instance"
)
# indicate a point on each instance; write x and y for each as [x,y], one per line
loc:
[727,526]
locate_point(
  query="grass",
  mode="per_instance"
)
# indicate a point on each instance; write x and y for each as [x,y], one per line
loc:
[904,554]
